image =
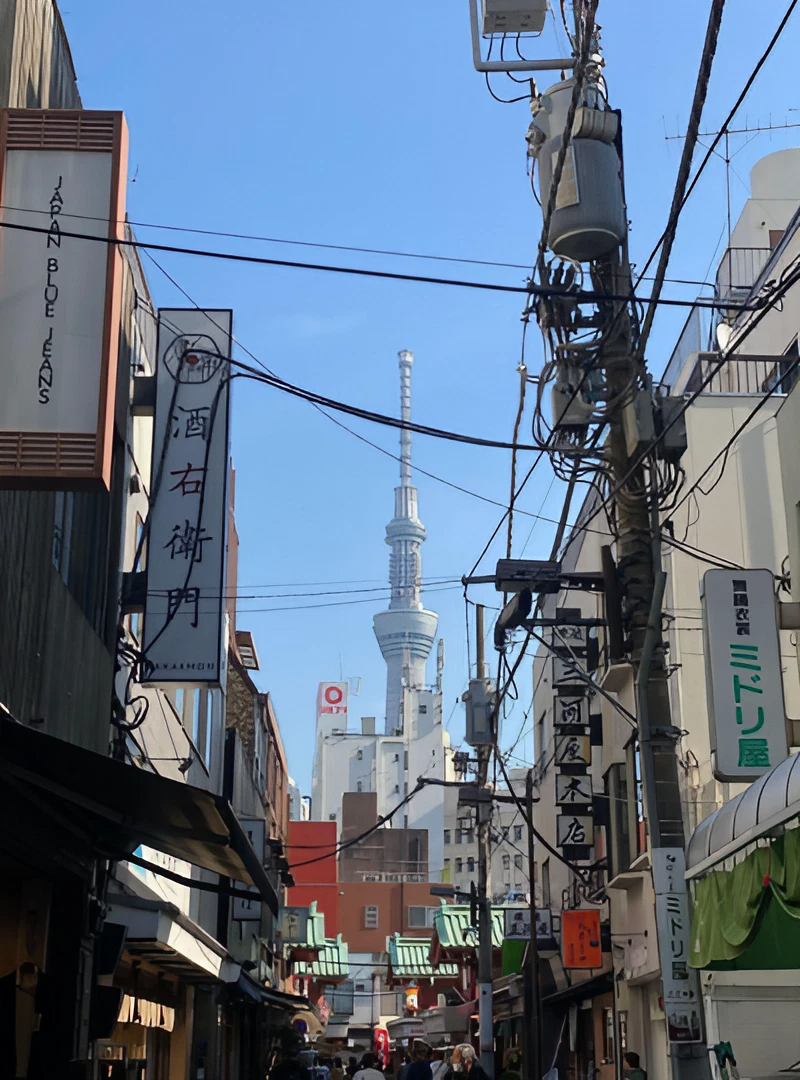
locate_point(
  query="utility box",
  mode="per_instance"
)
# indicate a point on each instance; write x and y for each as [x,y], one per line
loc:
[480,700]
[513,16]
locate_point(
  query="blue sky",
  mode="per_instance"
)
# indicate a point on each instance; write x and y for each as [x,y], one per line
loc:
[365,124]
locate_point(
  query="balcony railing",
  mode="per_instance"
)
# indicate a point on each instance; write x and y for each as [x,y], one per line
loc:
[739,270]
[742,375]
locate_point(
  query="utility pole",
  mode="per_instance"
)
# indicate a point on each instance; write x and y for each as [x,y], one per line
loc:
[483,813]
[575,139]
[532,1029]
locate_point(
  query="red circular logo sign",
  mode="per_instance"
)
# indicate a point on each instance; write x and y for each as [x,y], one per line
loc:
[333,695]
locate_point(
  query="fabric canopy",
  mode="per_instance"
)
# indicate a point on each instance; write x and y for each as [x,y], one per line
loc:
[748,918]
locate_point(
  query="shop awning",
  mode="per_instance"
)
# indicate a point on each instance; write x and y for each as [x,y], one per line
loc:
[161,934]
[761,811]
[114,808]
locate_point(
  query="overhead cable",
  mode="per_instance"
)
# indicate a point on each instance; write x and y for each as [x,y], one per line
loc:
[260,260]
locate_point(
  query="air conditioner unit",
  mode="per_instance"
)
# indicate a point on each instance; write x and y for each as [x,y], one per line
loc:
[513,16]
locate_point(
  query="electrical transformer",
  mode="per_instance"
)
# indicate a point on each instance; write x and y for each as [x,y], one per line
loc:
[513,16]
[588,219]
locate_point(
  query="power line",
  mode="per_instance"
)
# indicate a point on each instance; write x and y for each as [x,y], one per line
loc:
[259,260]
[679,195]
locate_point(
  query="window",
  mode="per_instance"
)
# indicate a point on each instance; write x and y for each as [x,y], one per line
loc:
[546,883]
[135,626]
[423,709]
[361,988]
[505,832]
[470,866]
[506,862]
[518,862]
[420,917]
[371,917]
[447,836]
[467,835]
[359,755]
[359,786]
[517,832]
[459,836]
[619,819]
[459,865]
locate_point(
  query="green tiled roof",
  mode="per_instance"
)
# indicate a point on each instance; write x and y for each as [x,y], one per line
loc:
[453,927]
[410,959]
[333,961]
[315,933]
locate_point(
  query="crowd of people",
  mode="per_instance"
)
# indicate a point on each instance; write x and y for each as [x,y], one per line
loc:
[424,1063]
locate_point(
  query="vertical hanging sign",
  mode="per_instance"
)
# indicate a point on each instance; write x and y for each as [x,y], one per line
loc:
[62,173]
[187,526]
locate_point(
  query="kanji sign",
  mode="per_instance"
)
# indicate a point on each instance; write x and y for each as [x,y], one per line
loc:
[682,1003]
[743,674]
[580,939]
[573,791]
[187,530]
[573,750]
[575,830]
[569,709]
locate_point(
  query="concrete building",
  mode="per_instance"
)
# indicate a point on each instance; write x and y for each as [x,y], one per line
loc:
[385,854]
[509,843]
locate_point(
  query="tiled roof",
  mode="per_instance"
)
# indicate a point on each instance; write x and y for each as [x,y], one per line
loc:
[315,932]
[409,958]
[333,961]
[453,928]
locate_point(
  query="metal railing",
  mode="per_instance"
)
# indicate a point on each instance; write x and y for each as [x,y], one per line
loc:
[738,271]
[742,375]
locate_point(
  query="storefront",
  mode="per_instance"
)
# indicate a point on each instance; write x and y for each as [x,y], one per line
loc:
[76,813]
[743,865]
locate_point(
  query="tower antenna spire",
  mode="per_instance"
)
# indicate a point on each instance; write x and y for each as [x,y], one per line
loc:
[406,631]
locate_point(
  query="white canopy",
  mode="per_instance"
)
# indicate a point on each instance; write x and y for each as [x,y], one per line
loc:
[761,811]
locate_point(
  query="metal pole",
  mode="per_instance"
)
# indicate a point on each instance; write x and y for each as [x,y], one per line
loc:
[480,663]
[485,1014]
[532,1028]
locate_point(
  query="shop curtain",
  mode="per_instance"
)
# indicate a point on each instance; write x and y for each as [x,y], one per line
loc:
[732,906]
[135,1010]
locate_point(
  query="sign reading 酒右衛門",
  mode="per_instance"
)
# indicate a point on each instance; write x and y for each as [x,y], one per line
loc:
[61,173]
[743,674]
[188,523]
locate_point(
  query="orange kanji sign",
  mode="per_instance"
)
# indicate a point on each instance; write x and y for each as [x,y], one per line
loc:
[580,939]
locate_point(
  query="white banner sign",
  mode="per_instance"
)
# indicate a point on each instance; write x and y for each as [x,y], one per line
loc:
[682,1003]
[743,674]
[53,290]
[573,791]
[188,525]
[332,698]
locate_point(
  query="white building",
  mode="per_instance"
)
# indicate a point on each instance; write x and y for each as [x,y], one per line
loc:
[509,843]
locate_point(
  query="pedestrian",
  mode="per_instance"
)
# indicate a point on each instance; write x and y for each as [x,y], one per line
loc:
[337,1072]
[469,1062]
[406,1065]
[634,1070]
[439,1067]
[420,1067]
[369,1069]
[290,1067]
[352,1067]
